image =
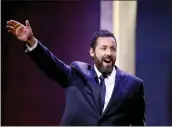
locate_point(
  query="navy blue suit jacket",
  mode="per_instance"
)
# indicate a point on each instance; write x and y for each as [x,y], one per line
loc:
[126,106]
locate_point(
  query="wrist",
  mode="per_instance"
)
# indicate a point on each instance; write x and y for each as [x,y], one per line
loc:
[31,41]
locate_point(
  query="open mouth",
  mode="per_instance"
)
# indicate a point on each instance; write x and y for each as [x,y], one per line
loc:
[107,61]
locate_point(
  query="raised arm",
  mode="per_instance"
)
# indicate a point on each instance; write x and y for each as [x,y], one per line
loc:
[44,59]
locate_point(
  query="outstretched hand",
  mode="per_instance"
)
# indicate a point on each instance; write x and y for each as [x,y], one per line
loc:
[22,32]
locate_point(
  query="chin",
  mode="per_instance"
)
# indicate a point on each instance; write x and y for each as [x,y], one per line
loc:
[107,65]
[108,69]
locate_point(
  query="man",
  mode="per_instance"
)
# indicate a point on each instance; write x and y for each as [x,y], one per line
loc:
[101,94]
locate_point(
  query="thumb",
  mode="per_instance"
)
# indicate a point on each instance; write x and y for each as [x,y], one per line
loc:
[27,23]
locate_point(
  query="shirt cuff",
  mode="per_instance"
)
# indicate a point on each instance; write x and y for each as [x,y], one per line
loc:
[29,49]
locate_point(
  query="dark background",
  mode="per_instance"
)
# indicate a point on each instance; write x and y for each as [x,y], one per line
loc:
[154,59]
[29,97]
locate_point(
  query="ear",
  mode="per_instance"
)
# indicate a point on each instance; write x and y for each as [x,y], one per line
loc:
[91,52]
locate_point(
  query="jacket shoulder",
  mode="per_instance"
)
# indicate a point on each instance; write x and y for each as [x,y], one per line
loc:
[81,67]
[135,81]
[132,77]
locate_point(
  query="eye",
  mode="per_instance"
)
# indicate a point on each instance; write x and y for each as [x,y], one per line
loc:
[103,48]
[113,48]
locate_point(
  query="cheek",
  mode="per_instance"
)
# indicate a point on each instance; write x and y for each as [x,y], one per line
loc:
[99,57]
[100,54]
[114,54]
[97,54]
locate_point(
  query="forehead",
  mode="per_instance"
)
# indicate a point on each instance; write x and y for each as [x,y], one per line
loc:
[109,41]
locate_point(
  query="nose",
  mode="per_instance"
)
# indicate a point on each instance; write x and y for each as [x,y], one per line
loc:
[108,52]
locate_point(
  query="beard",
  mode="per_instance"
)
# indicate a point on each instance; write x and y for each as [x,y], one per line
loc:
[102,66]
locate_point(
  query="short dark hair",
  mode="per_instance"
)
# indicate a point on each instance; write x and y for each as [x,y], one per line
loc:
[100,33]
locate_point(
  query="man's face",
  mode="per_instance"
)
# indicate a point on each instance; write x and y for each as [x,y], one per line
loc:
[104,54]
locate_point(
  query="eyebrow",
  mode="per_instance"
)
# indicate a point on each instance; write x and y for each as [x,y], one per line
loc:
[103,46]
[106,46]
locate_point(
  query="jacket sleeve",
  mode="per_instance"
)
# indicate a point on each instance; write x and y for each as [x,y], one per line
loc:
[139,107]
[52,66]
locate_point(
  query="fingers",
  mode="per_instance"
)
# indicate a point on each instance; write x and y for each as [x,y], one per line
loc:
[16,26]
[27,23]
[19,30]
[16,31]
[11,29]
[13,23]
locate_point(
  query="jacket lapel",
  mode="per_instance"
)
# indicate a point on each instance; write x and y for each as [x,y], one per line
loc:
[119,82]
[93,83]
[89,75]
